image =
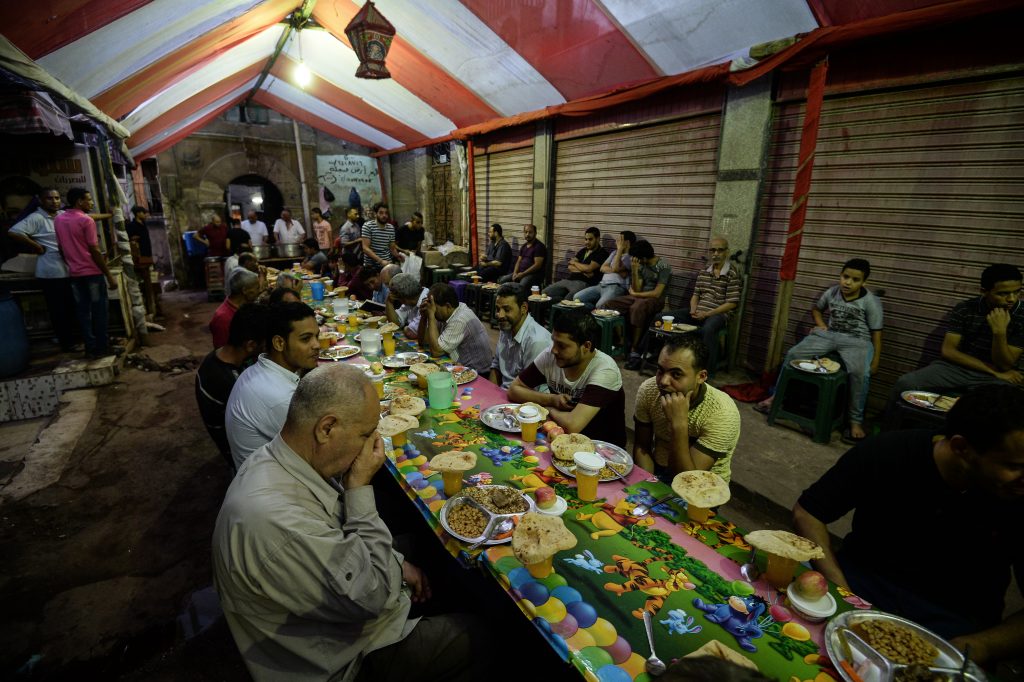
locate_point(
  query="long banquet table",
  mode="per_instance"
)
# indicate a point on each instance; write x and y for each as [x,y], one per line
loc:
[590,609]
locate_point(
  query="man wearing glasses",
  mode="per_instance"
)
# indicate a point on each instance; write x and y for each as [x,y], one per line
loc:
[715,295]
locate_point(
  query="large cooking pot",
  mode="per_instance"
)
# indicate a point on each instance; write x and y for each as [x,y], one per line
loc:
[262,251]
[289,250]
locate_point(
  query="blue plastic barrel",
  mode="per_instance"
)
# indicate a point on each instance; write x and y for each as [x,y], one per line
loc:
[14,339]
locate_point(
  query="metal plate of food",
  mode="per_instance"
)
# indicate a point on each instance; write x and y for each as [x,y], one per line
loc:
[615,457]
[601,312]
[400,360]
[571,304]
[462,375]
[677,328]
[339,352]
[895,639]
[816,365]
[929,401]
[501,417]
[475,513]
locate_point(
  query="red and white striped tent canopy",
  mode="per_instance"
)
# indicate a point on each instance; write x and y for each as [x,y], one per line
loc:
[164,68]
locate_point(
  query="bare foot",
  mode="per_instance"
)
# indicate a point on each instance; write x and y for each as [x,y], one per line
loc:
[857,431]
[765,405]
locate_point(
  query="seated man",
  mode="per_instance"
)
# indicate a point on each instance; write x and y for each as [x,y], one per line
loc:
[529,267]
[520,338]
[451,327]
[220,369]
[281,295]
[915,493]
[363,285]
[716,294]
[383,289]
[304,566]
[983,342]
[681,422]
[614,274]
[407,294]
[259,400]
[648,289]
[289,280]
[351,266]
[586,385]
[584,269]
[315,259]
[497,261]
[245,288]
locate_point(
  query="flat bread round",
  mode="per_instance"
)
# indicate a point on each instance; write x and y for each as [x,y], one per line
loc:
[424,368]
[453,461]
[703,489]
[564,446]
[408,404]
[539,536]
[785,544]
[388,327]
[394,424]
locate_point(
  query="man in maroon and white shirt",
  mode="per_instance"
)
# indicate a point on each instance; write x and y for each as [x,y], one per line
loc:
[586,385]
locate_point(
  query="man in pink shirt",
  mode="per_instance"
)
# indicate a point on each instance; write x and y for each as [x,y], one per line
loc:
[79,244]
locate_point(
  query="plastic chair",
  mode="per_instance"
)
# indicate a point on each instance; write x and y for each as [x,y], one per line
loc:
[831,391]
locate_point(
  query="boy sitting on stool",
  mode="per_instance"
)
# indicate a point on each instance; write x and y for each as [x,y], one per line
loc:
[854,330]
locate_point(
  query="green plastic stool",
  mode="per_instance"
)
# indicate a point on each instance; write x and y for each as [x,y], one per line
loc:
[557,310]
[540,310]
[608,326]
[831,389]
[441,275]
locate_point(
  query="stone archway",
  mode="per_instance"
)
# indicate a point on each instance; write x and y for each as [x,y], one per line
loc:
[219,174]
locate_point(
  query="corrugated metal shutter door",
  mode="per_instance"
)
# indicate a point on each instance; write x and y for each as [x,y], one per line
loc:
[658,181]
[927,184]
[504,193]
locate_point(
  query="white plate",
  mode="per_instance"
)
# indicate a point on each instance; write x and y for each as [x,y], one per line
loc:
[948,655]
[339,352]
[612,453]
[810,366]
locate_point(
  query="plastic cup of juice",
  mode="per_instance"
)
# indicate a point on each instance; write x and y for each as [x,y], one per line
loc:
[666,323]
[529,421]
[399,439]
[378,384]
[387,340]
[452,482]
[779,571]
[541,569]
[697,514]
[353,320]
[588,472]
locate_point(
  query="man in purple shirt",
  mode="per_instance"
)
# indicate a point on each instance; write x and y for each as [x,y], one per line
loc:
[79,244]
[529,267]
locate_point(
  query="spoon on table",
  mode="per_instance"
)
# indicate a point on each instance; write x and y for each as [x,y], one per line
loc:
[654,665]
[503,526]
[644,509]
[749,570]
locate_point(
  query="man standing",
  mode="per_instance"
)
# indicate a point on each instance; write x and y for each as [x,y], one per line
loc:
[615,274]
[256,228]
[321,229]
[259,400]
[378,238]
[586,385]
[348,239]
[450,327]
[37,232]
[304,566]
[79,243]
[683,423]
[244,286]
[215,235]
[498,258]
[939,486]
[584,268]
[405,297]
[238,240]
[139,233]
[716,294]
[520,339]
[529,267]
[220,369]
[288,231]
[410,236]
[983,341]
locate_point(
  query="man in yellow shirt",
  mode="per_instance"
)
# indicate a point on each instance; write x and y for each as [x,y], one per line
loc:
[682,423]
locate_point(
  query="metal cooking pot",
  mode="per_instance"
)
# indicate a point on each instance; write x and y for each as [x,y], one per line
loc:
[289,250]
[262,251]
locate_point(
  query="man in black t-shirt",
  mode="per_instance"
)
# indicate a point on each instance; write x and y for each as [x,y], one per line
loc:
[938,521]
[409,237]
[584,268]
[138,232]
[220,368]
[238,239]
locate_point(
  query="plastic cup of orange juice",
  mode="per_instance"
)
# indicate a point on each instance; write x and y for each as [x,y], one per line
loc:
[452,482]
[779,571]
[529,422]
[588,472]
[541,569]
[387,340]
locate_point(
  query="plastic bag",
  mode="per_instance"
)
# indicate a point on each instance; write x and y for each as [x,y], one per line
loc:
[412,264]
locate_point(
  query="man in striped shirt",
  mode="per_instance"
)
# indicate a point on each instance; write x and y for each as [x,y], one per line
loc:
[715,295]
[378,237]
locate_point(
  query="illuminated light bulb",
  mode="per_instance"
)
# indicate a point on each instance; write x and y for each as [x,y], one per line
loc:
[303,76]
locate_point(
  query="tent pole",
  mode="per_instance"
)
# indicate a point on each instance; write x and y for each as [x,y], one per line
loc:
[302,179]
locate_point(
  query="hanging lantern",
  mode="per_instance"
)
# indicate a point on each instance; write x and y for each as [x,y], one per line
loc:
[370,35]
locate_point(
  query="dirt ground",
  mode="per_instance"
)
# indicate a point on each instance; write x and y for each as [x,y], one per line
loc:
[97,567]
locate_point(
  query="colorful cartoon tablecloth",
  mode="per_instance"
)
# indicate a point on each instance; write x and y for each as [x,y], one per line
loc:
[590,609]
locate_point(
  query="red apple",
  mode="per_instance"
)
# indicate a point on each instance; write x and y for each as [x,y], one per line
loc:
[545,497]
[810,585]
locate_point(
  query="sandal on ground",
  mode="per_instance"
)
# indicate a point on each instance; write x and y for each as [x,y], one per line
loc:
[848,438]
[763,409]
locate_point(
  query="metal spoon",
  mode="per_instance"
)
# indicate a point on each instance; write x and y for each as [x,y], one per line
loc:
[749,570]
[654,665]
[503,526]
[644,509]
